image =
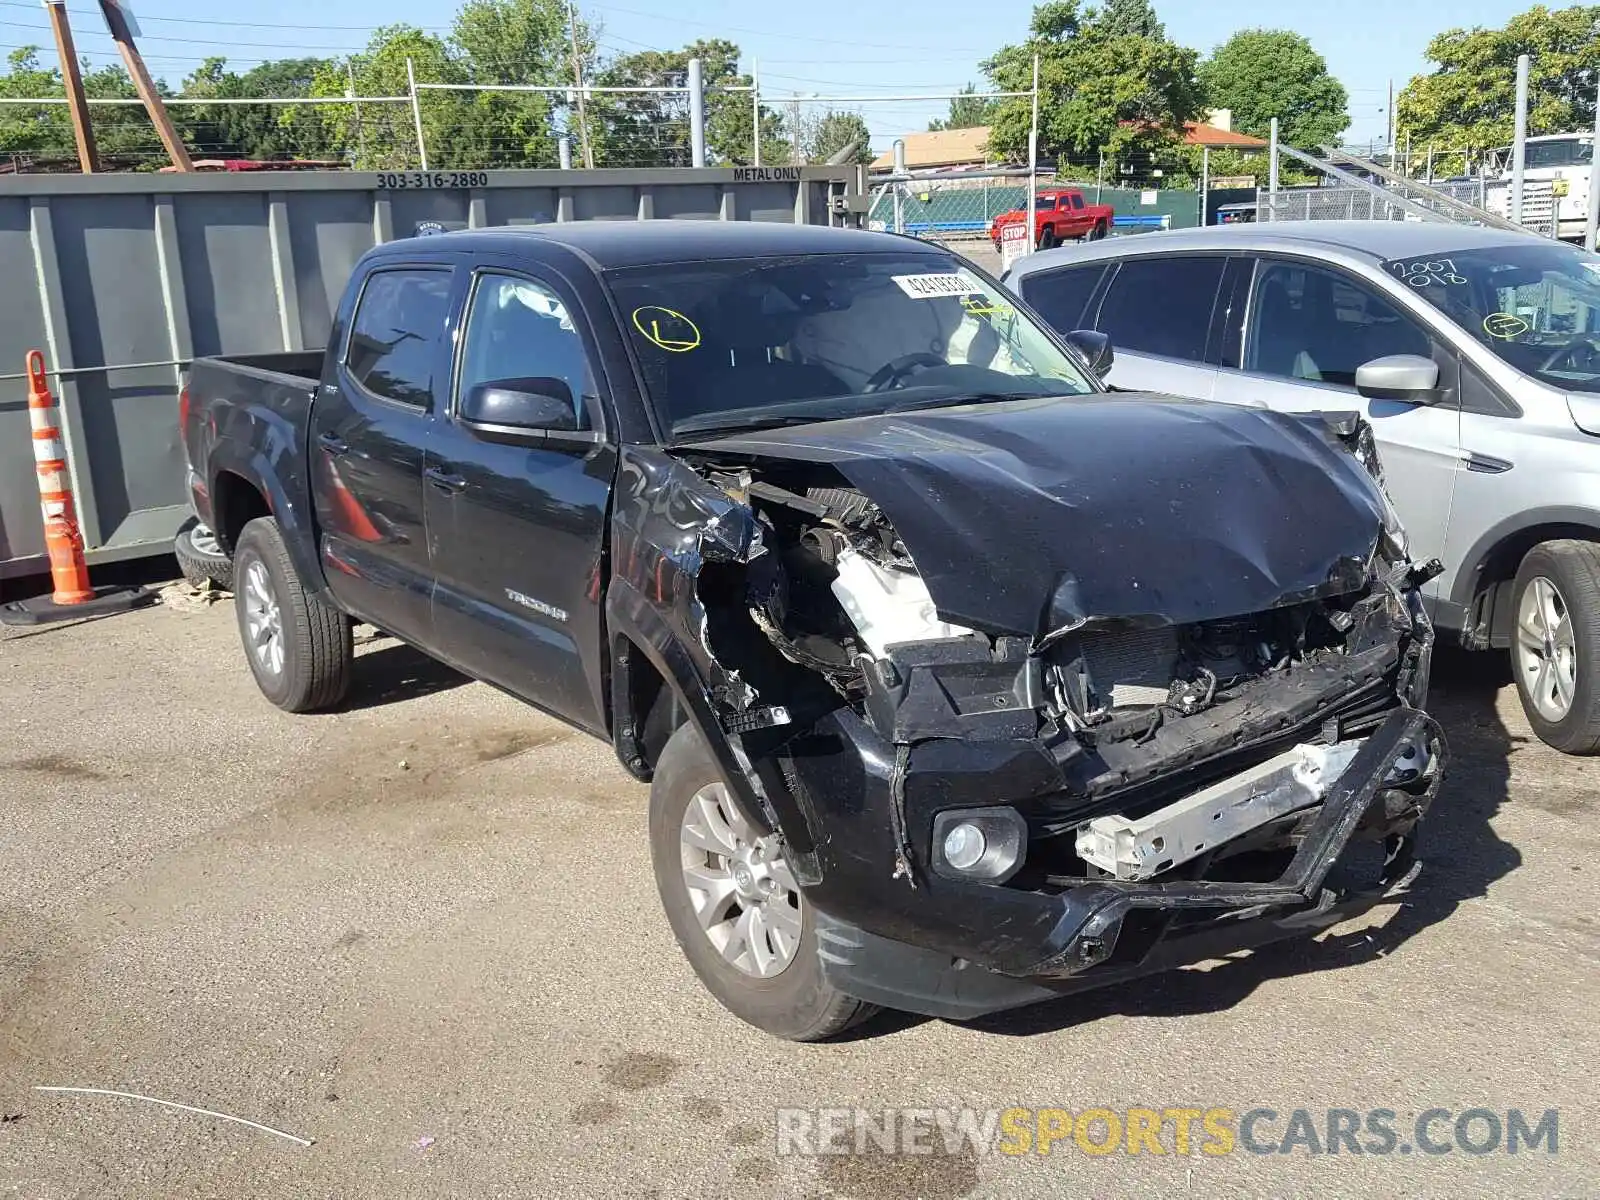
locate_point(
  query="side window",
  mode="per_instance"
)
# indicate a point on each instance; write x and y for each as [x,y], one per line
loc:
[1061,296]
[519,329]
[1077,200]
[1318,325]
[1162,305]
[394,337]
[1042,204]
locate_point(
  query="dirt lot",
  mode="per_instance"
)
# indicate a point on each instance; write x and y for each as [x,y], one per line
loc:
[422,931]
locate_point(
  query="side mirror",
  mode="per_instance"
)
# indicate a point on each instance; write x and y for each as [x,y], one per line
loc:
[1095,347]
[1407,377]
[518,411]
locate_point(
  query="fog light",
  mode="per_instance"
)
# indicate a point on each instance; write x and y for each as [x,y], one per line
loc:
[964,846]
[979,845]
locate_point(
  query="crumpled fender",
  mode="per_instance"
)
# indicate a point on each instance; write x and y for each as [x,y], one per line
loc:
[666,522]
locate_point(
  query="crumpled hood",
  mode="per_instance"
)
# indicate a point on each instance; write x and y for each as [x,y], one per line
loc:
[1029,516]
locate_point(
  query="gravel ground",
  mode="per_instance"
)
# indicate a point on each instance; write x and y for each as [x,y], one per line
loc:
[422,931]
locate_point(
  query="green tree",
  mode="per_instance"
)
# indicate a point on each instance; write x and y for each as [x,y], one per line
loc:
[1131,17]
[1469,98]
[838,132]
[1259,74]
[1101,90]
[249,131]
[967,111]
[123,134]
[652,129]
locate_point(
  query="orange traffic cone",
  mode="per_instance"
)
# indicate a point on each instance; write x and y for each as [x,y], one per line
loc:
[69,573]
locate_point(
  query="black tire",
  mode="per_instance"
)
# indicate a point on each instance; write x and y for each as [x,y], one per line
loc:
[203,563]
[1574,568]
[317,649]
[797,1004]
[1098,232]
[1047,238]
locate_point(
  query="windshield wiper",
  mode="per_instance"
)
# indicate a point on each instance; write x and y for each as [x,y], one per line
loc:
[970,398]
[764,421]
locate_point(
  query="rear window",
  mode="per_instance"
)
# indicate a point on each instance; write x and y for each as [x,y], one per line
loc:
[1162,305]
[1061,296]
[394,338]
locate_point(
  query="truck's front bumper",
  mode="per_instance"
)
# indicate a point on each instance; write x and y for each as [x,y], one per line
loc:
[961,950]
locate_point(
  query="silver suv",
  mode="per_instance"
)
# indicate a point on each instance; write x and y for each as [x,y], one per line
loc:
[1474,353]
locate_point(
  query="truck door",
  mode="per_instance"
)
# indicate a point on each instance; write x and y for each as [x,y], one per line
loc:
[369,422]
[517,516]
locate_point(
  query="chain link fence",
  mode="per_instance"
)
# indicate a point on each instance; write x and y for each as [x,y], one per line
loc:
[1388,202]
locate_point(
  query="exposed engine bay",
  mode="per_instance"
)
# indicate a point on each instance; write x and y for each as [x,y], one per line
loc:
[1137,714]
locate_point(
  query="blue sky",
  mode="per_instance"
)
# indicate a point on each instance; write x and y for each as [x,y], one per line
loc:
[831,47]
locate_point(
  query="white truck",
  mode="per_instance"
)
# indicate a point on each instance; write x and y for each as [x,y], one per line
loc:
[1555,184]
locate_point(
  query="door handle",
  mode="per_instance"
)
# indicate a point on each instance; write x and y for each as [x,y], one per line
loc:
[445,481]
[333,443]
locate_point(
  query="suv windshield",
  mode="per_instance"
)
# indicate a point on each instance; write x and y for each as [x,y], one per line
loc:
[1535,304]
[738,343]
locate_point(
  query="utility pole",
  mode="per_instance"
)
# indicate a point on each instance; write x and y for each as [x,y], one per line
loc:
[122,33]
[577,79]
[1591,224]
[361,136]
[1519,139]
[755,112]
[82,128]
[794,121]
[1390,111]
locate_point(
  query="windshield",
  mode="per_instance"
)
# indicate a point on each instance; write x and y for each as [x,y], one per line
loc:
[1563,152]
[1535,304]
[740,343]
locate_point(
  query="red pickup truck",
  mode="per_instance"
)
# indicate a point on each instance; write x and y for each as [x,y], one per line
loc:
[1059,214]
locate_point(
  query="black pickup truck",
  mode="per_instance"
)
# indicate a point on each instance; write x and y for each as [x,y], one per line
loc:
[959,682]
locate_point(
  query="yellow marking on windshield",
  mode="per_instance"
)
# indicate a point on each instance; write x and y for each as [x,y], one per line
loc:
[1505,326]
[666,327]
[980,307]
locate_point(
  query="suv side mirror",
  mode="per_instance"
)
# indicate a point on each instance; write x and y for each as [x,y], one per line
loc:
[518,411]
[1095,347]
[1407,377]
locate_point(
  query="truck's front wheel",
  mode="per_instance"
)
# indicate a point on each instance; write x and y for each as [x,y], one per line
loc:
[298,646]
[733,904]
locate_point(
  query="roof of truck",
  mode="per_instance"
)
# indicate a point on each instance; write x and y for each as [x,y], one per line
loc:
[611,244]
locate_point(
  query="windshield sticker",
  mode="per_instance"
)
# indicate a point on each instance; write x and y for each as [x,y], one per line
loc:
[667,328]
[1506,326]
[932,287]
[1429,272]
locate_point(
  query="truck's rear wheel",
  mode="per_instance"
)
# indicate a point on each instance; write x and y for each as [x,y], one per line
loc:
[1555,651]
[298,646]
[1098,232]
[733,905]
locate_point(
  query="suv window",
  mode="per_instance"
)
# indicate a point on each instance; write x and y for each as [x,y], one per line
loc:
[519,329]
[1318,325]
[1162,305]
[394,338]
[1061,296]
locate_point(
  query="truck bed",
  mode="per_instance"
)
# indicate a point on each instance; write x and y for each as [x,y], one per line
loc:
[294,367]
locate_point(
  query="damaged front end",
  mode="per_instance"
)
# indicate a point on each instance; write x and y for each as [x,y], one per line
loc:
[1018,733]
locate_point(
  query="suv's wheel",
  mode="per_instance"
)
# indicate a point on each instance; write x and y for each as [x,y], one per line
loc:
[201,557]
[733,903]
[298,646]
[1555,654]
